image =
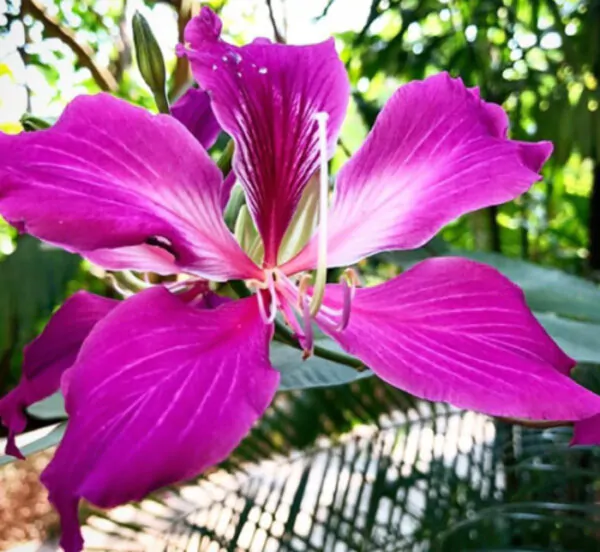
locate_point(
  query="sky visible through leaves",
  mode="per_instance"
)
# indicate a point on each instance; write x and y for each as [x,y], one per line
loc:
[243,18]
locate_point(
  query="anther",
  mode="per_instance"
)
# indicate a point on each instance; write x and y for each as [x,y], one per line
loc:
[321,274]
[349,280]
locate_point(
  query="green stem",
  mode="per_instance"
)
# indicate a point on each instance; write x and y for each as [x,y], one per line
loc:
[162,103]
[283,335]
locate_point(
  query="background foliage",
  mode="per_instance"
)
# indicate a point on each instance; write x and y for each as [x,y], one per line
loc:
[541,60]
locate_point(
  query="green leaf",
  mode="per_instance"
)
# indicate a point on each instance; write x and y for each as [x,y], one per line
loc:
[314,371]
[587,375]
[546,289]
[406,258]
[33,281]
[49,439]
[51,408]
[580,340]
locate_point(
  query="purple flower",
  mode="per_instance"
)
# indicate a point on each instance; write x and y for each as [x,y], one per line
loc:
[165,384]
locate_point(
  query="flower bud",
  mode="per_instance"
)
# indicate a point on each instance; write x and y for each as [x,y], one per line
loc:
[150,61]
[30,123]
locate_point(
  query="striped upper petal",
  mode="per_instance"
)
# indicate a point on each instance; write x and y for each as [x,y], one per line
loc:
[266,96]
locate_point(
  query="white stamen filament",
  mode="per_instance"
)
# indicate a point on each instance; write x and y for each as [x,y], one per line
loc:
[309,339]
[304,307]
[116,285]
[321,275]
[134,282]
[270,317]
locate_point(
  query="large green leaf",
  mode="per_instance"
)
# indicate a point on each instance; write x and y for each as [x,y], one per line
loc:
[546,289]
[49,438]
[580,340]
[440,480]
[51,408]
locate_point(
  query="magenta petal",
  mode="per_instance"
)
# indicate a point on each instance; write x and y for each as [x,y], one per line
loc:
[144,258]
[587,432]
[110,175]
[163,405]
[49,355]
[265,96]
[194,112]
[437,151]
[13,417]
[458,331]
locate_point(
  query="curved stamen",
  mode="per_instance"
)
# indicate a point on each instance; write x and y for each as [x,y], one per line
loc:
[118,287]
[321,276]
[304,306]
[349,280]
[303,289]
[179,285]
[267,318]
[126,282]
[134,281]
[309,338]
[290,319]
[343,324]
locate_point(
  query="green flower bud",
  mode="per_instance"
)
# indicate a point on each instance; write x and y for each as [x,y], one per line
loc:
[30,123]
[150,61]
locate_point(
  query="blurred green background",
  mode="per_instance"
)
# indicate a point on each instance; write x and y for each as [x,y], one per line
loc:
[516,489]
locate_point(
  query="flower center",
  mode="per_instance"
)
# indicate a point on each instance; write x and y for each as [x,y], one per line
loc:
[262,290]
[297,298]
